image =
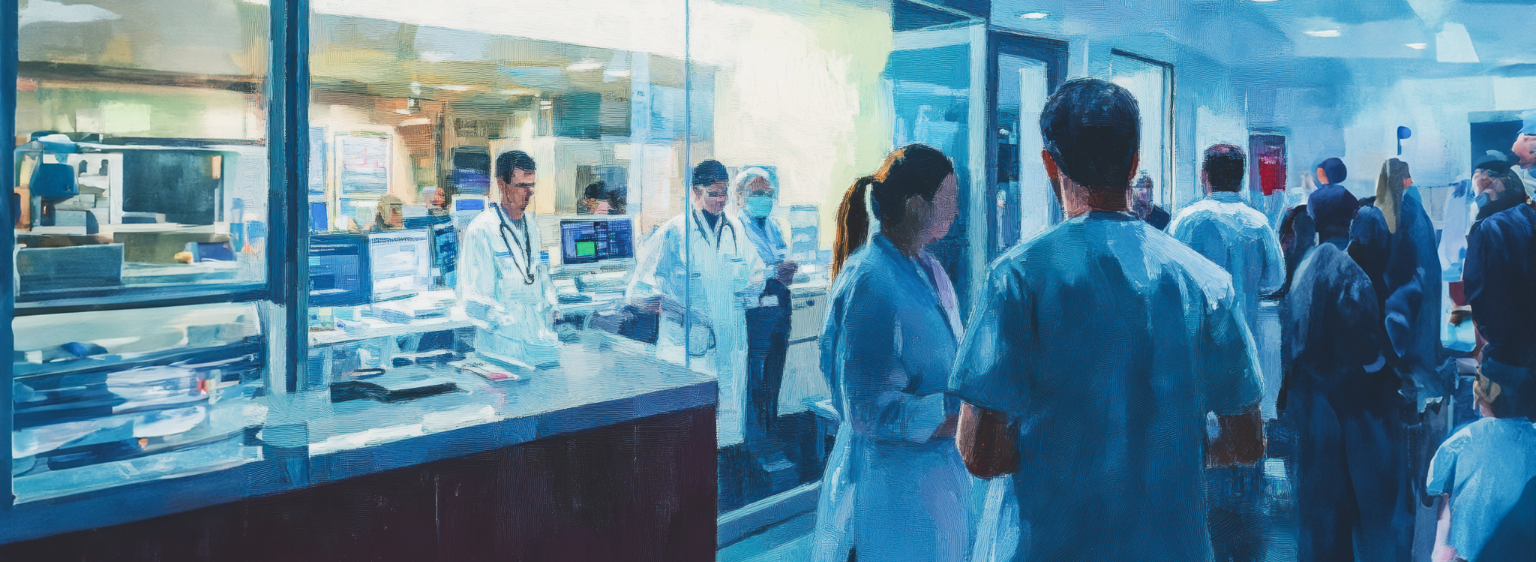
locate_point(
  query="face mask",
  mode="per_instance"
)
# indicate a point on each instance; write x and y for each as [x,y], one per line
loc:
[1481,200]
[760,206]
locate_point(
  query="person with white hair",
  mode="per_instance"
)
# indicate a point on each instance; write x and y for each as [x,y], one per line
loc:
[754,196]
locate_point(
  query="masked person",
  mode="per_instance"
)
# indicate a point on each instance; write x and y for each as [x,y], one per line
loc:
[1342,404]
[717,280]
[894,488]
[767,325]
[503,278]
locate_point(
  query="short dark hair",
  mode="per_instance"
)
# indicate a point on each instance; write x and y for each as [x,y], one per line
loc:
[1224,167]
[708,172]
[1092,129]
[596,190]
[512,160]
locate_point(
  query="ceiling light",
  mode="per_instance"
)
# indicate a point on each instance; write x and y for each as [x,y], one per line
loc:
[518,92]
[585,64]
[1419,46]
[615,73]
[453,88]
[1323,33]
[403,111]
[1263,0]
[1034,15]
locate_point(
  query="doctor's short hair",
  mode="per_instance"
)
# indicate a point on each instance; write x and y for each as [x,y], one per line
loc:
[1224,167]
[709,172]
[512,160]
[1092,129]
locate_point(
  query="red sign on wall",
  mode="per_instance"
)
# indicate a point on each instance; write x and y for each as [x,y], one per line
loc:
[1267,171]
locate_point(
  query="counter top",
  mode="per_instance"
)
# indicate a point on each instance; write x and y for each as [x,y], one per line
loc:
[308,440]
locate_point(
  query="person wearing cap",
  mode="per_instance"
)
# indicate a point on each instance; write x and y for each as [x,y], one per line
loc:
[754,196]
[702,263]
[1524,151]
[1335,392]
[1484,476]
[1498,188]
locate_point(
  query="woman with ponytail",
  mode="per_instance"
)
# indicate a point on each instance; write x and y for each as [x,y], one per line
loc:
[895,487]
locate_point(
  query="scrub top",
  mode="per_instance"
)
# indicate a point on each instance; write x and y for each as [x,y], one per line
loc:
[892,491]
[765,237]
[1236,237]
[1107,343]
[1486,468]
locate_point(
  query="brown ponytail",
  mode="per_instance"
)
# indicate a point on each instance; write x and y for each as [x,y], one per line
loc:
[912,170]
[852,224]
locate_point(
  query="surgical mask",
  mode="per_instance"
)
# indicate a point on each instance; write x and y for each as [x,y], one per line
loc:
[760,206]
[1481,200]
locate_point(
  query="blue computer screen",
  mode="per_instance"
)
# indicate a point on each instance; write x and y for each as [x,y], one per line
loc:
[339,273]
[589,241]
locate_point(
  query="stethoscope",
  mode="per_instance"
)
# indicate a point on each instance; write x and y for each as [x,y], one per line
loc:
[526,267]
[698,222]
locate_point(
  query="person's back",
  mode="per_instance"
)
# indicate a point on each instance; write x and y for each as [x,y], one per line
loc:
[1104,343]
[1227,231]
[1488,469]
[1121,323]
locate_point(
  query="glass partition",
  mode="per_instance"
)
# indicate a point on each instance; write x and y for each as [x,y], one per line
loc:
[141,166]
[140,189]
[481,194]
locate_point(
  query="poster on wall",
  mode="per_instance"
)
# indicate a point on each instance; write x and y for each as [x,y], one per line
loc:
[1268,173]
[363,163]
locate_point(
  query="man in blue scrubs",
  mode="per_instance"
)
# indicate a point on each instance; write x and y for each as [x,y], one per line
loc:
[1094,356]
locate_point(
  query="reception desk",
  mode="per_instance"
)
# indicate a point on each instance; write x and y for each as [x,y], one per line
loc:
[610,456]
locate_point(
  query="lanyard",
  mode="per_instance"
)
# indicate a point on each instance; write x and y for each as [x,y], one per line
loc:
[526,267]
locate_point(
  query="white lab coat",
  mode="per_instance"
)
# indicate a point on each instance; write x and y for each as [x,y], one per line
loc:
[727,278]
[513,318]
[891,490]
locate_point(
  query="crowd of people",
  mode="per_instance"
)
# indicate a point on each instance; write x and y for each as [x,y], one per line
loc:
[1109,370]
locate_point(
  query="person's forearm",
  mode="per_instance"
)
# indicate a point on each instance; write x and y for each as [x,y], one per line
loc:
[985,443]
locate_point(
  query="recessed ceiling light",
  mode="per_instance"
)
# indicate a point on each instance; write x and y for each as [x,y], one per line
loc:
[518,92]
[1034,15]
[616,73]
[453,88]
[1323,33]
[1416,45]
[586,64]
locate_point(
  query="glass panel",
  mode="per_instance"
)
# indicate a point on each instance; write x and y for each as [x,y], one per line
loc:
[1026,202]
[141,157]
[483,179]
[789,105]
[1148,82]
[109,398]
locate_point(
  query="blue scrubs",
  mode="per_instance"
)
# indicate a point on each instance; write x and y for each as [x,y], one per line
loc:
[891,490]
[1107,343]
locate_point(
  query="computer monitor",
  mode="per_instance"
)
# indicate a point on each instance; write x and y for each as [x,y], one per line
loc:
[400,262]
[339,274]
[592,241]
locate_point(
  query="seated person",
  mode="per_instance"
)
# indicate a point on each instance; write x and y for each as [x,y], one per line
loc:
[599,199]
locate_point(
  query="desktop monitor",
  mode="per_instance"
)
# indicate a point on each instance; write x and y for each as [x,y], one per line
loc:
[339,274]
[400,262]
[592,241]
[184,185]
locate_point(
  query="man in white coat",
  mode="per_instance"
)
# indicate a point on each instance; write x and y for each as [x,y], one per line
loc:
[701,267]
[504,280]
